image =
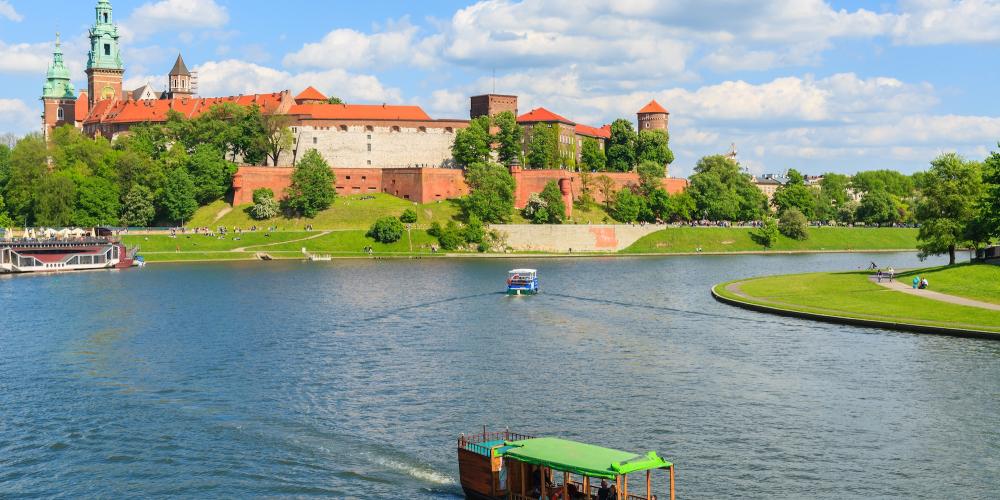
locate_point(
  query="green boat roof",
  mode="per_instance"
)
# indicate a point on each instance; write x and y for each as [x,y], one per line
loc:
[581,458]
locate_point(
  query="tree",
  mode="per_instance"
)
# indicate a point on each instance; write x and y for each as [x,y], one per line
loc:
[722,192]
[96,201]
[409,216]
[682,207]
[621,146]
[543,150]
[536,209]
[138,210]
[312,188]
[386,230]
[651,174]
[877,207]
[27,169]
[334,100]
[592,156]
[659,205]
[491,193]
[5,220]
[834,187]
[450,236]
[4,165]
[794,224]
[211,173]
[276,135]
[606,186]
[628,206]
[953,188]
[56,200]
[508,138]
[795,194]
[767,233]
[890,181]
[989,212]
[264,205]
[653,146]
[472,144]
[179,201]
[586,199]
[552,196]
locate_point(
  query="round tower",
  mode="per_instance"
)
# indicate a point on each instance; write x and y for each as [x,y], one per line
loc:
[653,117]
[58,94]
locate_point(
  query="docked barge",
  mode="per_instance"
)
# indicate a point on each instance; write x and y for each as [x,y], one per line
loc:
[59,255]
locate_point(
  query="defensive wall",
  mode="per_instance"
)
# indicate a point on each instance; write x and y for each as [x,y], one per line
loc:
[564,238]
[423,185]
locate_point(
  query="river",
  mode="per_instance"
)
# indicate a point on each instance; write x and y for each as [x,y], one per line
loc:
[353,378]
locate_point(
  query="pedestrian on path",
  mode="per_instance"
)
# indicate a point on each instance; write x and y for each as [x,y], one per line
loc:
[916,282]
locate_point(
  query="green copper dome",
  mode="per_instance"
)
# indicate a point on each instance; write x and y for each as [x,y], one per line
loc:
[57,84]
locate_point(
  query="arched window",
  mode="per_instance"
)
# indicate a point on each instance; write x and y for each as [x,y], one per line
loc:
[105,17]
[395,128]
[343,128]
[59,114]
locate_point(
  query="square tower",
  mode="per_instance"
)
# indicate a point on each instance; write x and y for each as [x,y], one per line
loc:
[492,105]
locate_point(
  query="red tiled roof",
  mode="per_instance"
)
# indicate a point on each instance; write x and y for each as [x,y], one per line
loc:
[542,115]
[310,94]
[653,107]
[156,110]
[359,112]
[82,106]
[603,132]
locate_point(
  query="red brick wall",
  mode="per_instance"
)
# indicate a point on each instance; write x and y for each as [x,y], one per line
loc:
[423,185]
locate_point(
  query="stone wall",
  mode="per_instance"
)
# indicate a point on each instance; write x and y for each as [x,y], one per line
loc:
[573,238]
[350,144]
[534,181]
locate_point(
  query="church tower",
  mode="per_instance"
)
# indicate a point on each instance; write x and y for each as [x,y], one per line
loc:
[104,61]
[58,94]
[653,117]
[180,82]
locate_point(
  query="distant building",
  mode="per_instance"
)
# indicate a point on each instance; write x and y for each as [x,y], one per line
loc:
[769,184]
[491,105]
[180,81]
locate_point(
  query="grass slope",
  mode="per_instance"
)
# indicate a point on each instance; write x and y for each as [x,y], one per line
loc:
[852,295]
[347,212]
[973,281]
[737,239]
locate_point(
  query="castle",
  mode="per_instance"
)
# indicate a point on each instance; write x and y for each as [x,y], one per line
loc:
[396,149]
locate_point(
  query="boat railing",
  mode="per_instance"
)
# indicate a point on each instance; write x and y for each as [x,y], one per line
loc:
[474,442]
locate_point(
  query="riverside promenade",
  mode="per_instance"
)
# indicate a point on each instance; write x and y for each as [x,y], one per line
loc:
[906,288]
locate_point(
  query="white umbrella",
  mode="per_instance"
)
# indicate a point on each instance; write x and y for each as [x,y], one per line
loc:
[78,232]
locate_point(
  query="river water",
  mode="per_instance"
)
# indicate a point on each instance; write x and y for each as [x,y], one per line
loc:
[353,378]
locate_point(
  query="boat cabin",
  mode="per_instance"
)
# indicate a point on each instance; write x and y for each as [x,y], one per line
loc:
[507,465]
[522,281]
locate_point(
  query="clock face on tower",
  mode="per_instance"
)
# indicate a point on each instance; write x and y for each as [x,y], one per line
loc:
[107,93]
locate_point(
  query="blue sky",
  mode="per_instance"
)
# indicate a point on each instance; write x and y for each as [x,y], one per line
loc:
[807,84]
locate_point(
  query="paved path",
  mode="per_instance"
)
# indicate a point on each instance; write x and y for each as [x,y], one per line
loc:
[930,294]
[263,245]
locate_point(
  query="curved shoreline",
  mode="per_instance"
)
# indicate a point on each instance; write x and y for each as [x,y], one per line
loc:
[844,320]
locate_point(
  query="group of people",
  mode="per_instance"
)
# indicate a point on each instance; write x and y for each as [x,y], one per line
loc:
[888,274]
[920,283]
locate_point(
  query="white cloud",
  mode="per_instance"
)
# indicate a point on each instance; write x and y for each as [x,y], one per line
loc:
[18,117]
[347,48]
[232,77]
[7,10]
[934,22]
[30,58]
[173,15]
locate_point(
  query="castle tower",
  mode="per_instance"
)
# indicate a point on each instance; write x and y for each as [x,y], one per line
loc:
[179,80]
[58,94]
[104,61]
[492,105]
[653,117]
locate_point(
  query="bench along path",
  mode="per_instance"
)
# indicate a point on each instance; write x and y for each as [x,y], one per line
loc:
[900,286]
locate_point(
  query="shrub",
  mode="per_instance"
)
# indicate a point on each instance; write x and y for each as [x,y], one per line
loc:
[474,231]
[435,229]
[264,205]
[451,236]
[794,224]
[767,233]
[409,216]
[386,230]
[261,194]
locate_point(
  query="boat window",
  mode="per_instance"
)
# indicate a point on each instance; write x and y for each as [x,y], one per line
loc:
[74,261]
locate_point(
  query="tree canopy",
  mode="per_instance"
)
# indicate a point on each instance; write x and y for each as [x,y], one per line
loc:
[620,148]
[952,190]
[491,196]
[722,192]
[312,187]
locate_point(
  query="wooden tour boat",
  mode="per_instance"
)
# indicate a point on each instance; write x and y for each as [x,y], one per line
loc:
[48,254]
[507,465]
[522,282]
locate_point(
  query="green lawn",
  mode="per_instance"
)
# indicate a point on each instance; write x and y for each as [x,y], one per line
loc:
[347,212]
[973,281]
[196,256]
[354,242]
[719,239]
[202,243]
[853,295]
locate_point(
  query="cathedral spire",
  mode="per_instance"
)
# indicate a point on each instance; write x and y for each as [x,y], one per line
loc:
[57,81]
[105,70]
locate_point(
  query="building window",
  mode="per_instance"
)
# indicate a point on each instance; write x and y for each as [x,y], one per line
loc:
[448,130]
[105,17]
[59,114]
[369,162]
[369,147]
[314,140]
[343,128]
[421,129]
[348,177]
[395,128]
[107,49]
[369,137]
[364,178]
[369,128]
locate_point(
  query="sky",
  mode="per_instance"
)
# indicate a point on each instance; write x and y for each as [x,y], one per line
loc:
[806,84]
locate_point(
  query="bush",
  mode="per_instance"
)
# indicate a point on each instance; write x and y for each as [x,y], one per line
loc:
[474,231]
[264,205]
[451,236]
[793,224]
[435,229]
[386,230]
[261,194]
[767,233]
[627,206]
[409,216]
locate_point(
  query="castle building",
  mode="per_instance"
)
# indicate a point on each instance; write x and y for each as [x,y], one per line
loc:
[105,70]
[180,81]
[491,105]
[58,94]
